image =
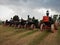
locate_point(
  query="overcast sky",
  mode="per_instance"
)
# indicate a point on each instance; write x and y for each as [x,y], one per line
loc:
[22,8]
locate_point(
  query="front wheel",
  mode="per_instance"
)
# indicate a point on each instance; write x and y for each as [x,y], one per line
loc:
[52,28]
[41,27]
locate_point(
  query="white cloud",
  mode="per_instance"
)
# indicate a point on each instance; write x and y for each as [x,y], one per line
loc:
[22,8]
[5,12]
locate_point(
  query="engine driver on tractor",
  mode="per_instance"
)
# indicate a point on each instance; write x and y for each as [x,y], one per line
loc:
[47,22]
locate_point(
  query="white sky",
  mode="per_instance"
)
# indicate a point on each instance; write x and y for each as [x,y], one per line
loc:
[22,8]
[5,12]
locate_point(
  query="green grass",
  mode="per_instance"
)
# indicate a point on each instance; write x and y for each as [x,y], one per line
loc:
[39,38]
[5,29]
[24,35]
[29,33]
[16,31]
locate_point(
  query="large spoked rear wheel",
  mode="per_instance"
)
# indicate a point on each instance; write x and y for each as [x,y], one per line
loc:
[41,27]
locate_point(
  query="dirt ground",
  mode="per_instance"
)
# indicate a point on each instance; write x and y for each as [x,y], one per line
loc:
[50,39]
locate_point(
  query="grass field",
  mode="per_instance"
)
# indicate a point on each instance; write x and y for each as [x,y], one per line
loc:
[15,36]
